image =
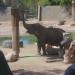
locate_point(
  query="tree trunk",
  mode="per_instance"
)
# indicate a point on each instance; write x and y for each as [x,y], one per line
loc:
[73,15]
[73,10]
[39,13]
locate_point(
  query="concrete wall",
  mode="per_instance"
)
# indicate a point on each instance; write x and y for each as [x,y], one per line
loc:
[5,14]
[54,13]
[48,13]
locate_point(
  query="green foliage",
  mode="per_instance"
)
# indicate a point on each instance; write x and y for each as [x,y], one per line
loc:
[60,2]
[29,3]
[43,2]
[54,2]
[25,3]
[1,3]
[65,2]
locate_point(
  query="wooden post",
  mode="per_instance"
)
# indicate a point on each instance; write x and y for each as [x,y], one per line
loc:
[15,30]
[15,33]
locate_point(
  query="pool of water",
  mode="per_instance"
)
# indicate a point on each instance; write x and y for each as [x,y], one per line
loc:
[29,39]
[25,40]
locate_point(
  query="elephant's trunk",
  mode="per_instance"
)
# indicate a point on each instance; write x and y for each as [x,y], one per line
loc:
[25,24]
[21,14]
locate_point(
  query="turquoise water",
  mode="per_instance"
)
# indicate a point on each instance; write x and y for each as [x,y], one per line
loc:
[25,41]
[29,39]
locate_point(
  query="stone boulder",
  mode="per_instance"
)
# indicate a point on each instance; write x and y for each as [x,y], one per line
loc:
[11,57]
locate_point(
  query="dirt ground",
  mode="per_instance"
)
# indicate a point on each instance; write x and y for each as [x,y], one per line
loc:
[6,27]
[30,63]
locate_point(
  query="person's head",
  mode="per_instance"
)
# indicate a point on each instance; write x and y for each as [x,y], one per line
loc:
[70,70]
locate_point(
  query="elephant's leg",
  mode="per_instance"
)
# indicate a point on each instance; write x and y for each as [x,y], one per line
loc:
[61,52]
[39,48]
[44,49]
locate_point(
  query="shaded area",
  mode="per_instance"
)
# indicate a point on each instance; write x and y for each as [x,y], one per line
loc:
[29,56]
[49,58]
[52,51]
[48,72]
[53,58]
[53,55]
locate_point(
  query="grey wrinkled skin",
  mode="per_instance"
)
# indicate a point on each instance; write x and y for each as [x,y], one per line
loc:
[52,36]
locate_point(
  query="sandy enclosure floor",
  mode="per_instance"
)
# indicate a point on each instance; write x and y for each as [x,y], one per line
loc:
[30,63]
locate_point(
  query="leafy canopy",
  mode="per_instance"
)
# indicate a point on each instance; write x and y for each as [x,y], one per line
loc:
[29,3]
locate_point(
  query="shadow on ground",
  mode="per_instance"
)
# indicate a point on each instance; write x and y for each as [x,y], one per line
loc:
[53,55]
[49,58]
[53,58]
[30,56]
[48,72]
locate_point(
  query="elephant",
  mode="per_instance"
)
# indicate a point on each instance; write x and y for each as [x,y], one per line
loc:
[52,36]
[45,35]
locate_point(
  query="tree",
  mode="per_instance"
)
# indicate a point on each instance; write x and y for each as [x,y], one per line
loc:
[60,2]
[1,3]
[29,4]
[65,2]
[54,2]
[73,12]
